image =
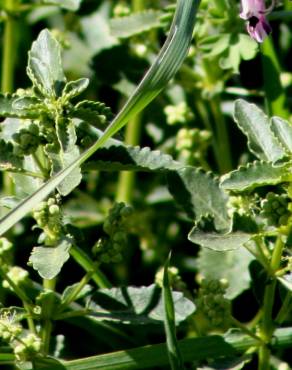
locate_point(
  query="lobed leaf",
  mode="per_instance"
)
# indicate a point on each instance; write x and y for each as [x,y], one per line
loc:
[48,261]
[139,306]
[255,174]
[199,194]
[256,126]
[45,65]
[229,265]
[135,23]
[219,242]
[283,131]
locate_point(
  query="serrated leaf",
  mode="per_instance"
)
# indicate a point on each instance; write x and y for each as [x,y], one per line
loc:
[254,175]
[75,88]
[63,154]
[199,194]
[219,242]
[65,4]
[283,132]
[256,126]
[135,23]
[95,113]
[9,109]
[48,261]
[231,265]
[124,158]
[137,305]
[45,65]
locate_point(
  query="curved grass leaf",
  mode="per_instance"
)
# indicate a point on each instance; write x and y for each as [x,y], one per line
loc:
[162,70]
[135,23]
[254,175]
[174,355]
[256,126]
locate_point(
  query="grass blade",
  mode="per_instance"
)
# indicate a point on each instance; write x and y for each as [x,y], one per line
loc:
[162,70]
[174,354]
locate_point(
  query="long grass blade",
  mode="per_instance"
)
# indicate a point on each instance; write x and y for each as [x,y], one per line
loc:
[165,66]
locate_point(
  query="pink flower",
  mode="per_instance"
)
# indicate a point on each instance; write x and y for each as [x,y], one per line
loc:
[254,11]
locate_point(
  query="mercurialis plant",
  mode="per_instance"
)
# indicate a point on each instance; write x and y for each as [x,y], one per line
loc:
[146,198]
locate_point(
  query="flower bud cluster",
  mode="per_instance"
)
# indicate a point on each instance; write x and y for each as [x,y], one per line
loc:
[48,216]
[276,209]
[213,304]
[9,329]
[121,9]
[29,347]
[241,205]
[192,144]
[109,248]
[27,140]
[5,247]
[17,275]
[179,113]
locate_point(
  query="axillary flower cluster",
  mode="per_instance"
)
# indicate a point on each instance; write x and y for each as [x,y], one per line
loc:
[254,12]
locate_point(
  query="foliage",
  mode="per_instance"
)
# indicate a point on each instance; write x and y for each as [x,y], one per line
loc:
[168,244]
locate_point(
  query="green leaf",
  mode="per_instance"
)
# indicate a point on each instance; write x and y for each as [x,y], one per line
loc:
[231,265]
[175,357]
[45,65]
[256,126]
[75,88]
[65,4]
[48,261]
[63,154]
[95,113]
[283,132]
[254,175]
[219,242]
[135,23]
[121,157]
[137,306]
[199,194]
[10,106]
[162,70]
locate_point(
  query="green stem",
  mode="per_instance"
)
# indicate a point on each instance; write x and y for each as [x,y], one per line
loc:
[245,329]
[48,326]
[267,325]
[9,48]
[274,93]
[29,319]
[84,261]
[126,182]
[74,293]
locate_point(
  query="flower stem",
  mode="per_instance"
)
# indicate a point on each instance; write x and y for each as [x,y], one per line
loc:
[84,261]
